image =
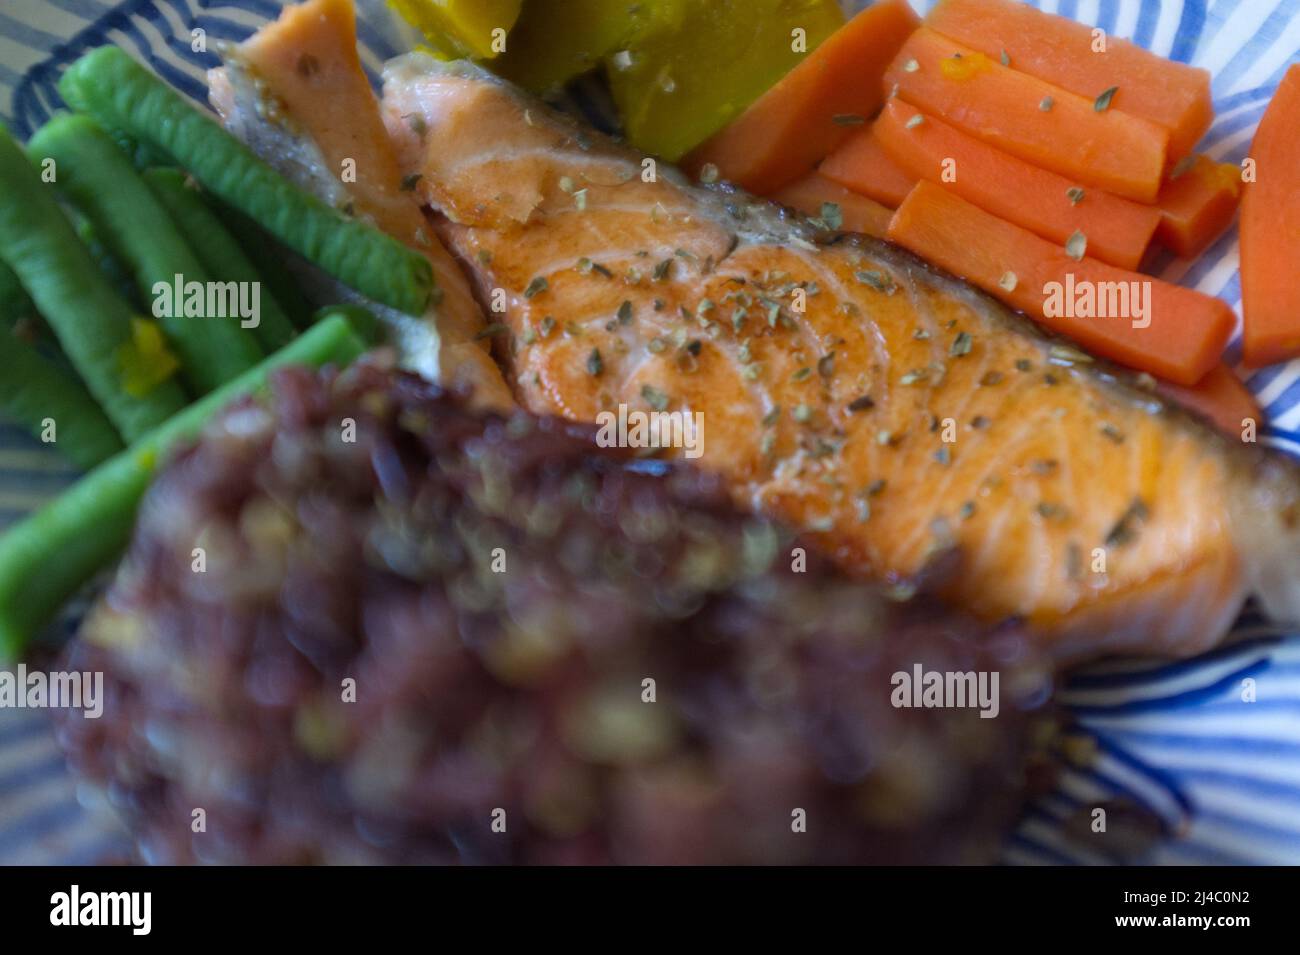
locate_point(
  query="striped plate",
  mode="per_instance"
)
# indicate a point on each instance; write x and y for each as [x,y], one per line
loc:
[1197,761]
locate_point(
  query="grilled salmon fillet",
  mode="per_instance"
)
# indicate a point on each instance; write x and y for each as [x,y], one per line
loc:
[296,92]
[906,421]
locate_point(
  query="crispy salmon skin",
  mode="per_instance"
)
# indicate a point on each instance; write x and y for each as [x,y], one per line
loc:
[897,415]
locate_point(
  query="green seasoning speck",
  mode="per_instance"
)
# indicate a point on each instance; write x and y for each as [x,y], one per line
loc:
[961,345]
[1125,528]
[410,182]
[832,217]
[595,366]
[991,378]
[1075,195]
[944,455]
[1076,245]
[848,119]
[496,328]
[1006,60]
[1049,510]
[1024,364]
[802,413]
[1102,102]
[655,398]
[1046,104]
[625,312]
[915,121]
[772,417]
[536,286]
[915,376]
[485,256]
[1112,432]
[826,365]
[802,373]
[548,325]
[661,270]
[967,510]
[862,403]
[877,280]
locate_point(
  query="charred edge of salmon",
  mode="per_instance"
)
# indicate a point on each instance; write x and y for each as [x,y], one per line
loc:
[1265,512]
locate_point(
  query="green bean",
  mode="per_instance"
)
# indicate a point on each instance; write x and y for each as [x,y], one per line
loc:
[48,555]
[52,404]
[218,251]
[122,94]
[268,257]
[15,303]
[97,330]
[136,228]
[108,263]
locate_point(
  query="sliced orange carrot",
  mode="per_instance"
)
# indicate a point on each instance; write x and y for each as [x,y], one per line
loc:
[1063,52]
[862,165]
[1118,231]
[1080,138]
[1220,397]
[1270,232]
[1128,317]
[1196,205]
[797,122]
[857,213]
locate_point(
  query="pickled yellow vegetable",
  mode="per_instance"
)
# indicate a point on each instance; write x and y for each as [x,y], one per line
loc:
[680,86]
[459,28]
[556,40]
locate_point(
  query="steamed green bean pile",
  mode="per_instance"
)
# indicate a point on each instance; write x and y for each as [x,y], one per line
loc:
[140,290]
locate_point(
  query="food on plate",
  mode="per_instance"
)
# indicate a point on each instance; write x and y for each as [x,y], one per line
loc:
[138,231]
[38,392]
[833,418]
[218,251]
[116,90]
[461,27]
[557,40]
[1270,232]
[85,528]
[1197,204]
[1050,206]
[350,680]
[677,88]
[115,352]
[1221,397]
[1167,330]
[1084,61]
[834,206]
[1079,137]
[323,118]
[808,112]
[863,165]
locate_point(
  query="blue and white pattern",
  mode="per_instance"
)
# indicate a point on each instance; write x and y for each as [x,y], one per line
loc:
[1214,771]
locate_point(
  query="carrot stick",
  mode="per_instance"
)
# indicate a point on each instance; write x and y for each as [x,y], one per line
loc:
[797,122]
[862,165]
[1196,206]
[1118,231]
[1181,333]
[1270,232]
[1080,138]
[1220,397]
[857,213]
[1063,52]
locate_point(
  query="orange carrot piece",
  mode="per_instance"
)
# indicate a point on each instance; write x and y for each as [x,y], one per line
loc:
[1197,205]
[862,165]
[1183,331]
[1118,231]
[1172,95]
[1027,117]
[857,213]
[1270,232]
[792,126]
[1220,397]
